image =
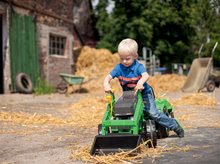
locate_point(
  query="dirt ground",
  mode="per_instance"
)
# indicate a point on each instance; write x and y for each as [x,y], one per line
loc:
[45,143]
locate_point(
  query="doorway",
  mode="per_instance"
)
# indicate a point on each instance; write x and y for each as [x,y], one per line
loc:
[1,58]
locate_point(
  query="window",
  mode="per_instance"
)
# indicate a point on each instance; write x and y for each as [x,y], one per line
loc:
[57,45]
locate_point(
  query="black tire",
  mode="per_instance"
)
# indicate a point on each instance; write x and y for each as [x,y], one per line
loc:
[24,83]
[210,85]
[62,87]
[171,114]
[153,139]
[162,132]
[100,129]
[151,133]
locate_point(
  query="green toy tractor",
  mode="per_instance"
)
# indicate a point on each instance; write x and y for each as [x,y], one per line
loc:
[125,125]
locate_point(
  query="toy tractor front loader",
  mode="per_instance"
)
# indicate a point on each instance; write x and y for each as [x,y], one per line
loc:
[124,126]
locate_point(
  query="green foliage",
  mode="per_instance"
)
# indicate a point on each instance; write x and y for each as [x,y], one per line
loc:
[43,88]
[173,29]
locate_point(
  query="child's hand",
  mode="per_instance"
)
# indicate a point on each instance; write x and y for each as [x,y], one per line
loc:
[107,88]
[139,86]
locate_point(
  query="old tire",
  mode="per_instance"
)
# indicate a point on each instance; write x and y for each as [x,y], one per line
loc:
[24,83]
[62,87]
[210,85]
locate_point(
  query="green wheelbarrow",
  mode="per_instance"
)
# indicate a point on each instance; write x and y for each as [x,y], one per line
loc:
[69,80]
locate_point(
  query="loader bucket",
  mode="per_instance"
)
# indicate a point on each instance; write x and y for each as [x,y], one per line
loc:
[114,143]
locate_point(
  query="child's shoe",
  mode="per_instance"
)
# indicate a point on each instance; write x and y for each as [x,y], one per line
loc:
[179,131]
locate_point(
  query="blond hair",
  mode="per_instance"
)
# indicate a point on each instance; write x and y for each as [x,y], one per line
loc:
[128,46]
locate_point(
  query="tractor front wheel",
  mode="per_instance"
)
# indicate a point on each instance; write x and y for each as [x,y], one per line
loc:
[100,129]
[151,133]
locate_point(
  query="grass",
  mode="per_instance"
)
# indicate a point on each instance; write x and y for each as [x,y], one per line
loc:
[43,87]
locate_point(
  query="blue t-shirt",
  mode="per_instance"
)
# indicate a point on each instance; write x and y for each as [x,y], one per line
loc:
[129,76]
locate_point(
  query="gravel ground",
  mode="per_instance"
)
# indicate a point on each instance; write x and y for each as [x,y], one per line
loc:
[53,144]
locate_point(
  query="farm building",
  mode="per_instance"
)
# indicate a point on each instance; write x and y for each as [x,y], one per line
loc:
[38,38]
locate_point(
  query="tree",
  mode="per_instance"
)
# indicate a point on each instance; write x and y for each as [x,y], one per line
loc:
[104,25]
[173,29]
[206,16]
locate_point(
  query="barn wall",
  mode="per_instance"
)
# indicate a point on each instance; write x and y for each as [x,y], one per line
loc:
[51,66]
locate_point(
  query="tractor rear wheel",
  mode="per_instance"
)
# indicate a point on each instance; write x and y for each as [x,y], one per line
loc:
[162,132]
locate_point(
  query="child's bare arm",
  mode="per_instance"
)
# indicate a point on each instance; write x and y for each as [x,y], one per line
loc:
[107,86]
[141,82]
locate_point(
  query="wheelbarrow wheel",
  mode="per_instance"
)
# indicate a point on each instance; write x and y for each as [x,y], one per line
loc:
[62,87]
[210,85]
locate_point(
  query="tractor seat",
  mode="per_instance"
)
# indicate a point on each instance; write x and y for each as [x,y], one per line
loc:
[125,106]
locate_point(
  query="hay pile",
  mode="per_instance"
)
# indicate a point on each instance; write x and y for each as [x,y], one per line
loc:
[166,83]
[88,112]
[190,107]
[28,119]
[82,154]
[196,99]
[95,64]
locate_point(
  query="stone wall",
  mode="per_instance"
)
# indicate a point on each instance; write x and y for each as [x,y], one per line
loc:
[52,65]
[61,8]
[58,19]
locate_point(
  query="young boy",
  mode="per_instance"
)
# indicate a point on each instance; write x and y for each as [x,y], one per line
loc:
[133,76]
